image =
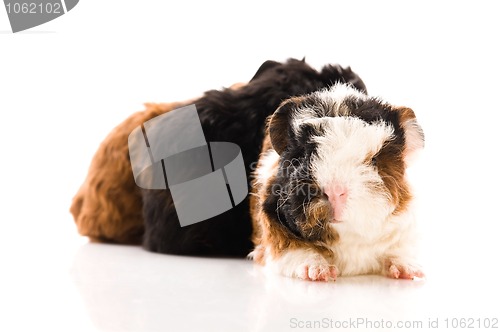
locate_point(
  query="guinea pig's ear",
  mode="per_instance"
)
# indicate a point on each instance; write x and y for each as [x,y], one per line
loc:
[414,135]
[279,123]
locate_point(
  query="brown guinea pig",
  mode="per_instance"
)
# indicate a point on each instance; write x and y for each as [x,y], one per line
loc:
[330,194]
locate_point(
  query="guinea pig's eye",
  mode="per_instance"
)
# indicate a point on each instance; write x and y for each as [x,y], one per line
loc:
[373,162]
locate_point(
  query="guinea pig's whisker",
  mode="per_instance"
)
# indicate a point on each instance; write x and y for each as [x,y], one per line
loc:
[284,196]
[304,207]
[298,207]
[280,204]
[291,166]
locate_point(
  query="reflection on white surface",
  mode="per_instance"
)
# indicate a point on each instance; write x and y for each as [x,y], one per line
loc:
[98,287]
[126,288]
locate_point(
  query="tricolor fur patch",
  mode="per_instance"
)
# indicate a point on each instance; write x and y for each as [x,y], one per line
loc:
[331,196]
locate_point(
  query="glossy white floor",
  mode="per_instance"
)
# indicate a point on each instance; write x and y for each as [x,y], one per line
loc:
[64,85]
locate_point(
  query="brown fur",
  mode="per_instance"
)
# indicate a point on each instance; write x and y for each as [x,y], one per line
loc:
[392,167]
[108,205]
[392,171]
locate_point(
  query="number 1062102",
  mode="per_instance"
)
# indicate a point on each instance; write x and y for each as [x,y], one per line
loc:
[34,8]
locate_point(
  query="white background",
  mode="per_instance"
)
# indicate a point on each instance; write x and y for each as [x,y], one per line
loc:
[64,85]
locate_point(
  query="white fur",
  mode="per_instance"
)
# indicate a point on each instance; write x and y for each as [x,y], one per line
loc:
[331,100]
[266,163]
[355,254]
[341,160]
[414,137]
[296,263]
[368,231]
[335,96]
[393,242]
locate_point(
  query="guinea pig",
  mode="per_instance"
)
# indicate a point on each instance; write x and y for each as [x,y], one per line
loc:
[330,192]
[237,116]
[110,207]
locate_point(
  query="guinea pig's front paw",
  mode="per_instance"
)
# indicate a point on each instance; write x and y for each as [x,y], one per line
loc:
[403,271]
[317,272]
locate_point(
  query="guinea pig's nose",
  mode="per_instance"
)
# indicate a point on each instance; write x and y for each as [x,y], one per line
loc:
[337,196]
[337,192]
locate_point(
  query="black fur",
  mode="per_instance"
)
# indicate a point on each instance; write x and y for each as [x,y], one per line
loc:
[236,116]
[293,187]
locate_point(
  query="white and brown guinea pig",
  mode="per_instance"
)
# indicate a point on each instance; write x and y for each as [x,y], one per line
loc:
[331,196]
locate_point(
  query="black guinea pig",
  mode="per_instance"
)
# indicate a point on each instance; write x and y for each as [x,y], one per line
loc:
[237,116]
